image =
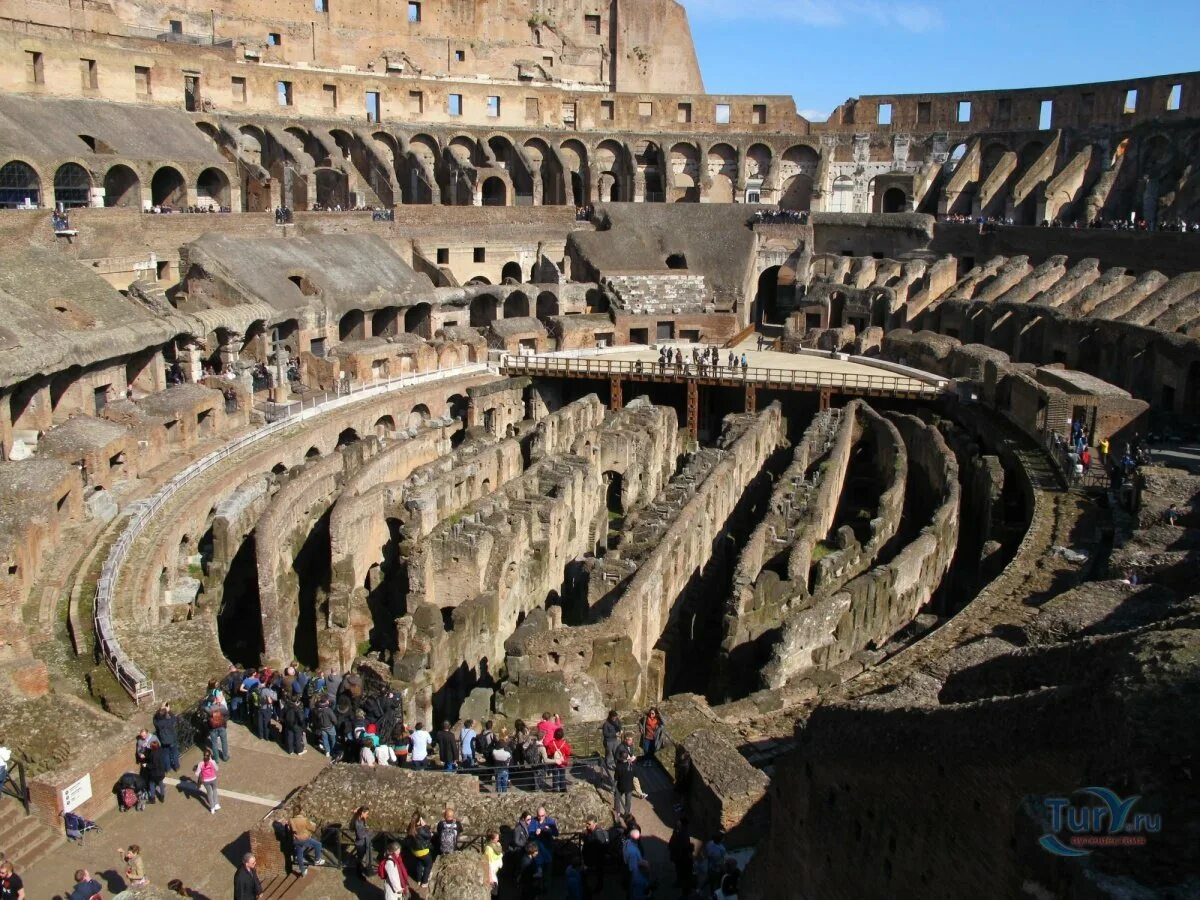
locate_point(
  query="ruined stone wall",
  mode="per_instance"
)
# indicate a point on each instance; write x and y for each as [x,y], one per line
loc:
[872,607]
[234,518]
[557,433]
[725,793]
[615,655]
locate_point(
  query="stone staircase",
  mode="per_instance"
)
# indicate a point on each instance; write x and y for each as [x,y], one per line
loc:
[25,840]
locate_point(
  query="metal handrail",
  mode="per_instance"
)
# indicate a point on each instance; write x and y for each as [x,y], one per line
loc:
[16,785]
[806,378]
[127,672]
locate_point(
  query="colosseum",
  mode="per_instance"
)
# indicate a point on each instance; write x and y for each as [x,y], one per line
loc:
[383,365]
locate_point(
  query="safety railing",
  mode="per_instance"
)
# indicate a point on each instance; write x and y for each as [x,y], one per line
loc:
[130,676]
[846,382]
[16,785]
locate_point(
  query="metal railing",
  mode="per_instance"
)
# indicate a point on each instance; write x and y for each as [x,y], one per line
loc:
[797,379]
[128,673]
[16,785]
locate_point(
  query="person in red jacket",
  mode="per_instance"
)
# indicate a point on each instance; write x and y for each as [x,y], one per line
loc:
[558,753]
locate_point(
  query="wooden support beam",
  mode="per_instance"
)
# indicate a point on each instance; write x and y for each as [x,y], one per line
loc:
[616,401]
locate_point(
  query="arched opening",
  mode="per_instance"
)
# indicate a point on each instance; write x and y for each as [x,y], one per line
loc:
[516,304]
[122,188]
[417,416]
[577,189]
[842,197]
[547,305]
[894,200]
[797,193]
[677,261]
[313,453]
[239,619]
[511,273]
[352,326]
[483,310]
[418,320]
[346,438]
[384,321]
[279,469]
[457,406]
[614,486]
[766,298]
[72,186]
[495,192]
[333,189]
[384,426]
[478,279]
[19,185]
[168,188]
[212,190]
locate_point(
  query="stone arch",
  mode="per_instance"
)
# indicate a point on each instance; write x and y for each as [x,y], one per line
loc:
[279,469]
[651,168]
[168,188]
[352,326]
[511,161]
[19,182]
[347,437]
[122,187]
[313,452]
[758,161]
[483,310]
[547,305]
[494,191]
[479,279]
[545,164]
[841,197]
[895,200]
[685,173]
[1029,154]
[516,305]
[213,186]
[311,146]
[797,193]
[511,273]
[333,187]
[384,321]
[721,169]
[418,320]
[955,158]
[417,416]
[799,159]
[612,162]
[574,156]
[72,186]
[384,426]
[416,169]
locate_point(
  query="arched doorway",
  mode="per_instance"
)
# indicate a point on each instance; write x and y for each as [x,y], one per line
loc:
[457,406]
[72,186]
[212,189]
[239,619]
[516,305]
[894,200]
[346,438]
[483,310]
[547,305]
[495,192]
[765,300]
[167,188]
[352,326]
[511,273]
[417,416]
[797,193]
[122,188]
[417,320]
[19,185]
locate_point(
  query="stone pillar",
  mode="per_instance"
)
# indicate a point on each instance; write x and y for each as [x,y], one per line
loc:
[229,350]
[616,400]
[191,360]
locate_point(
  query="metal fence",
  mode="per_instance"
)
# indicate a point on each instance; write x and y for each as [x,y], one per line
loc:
[796,379]
[131,677]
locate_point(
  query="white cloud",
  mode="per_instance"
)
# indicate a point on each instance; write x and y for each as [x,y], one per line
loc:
[814,115]
[909,16]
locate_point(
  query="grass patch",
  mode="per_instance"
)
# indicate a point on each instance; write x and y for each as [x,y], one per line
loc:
[822,550]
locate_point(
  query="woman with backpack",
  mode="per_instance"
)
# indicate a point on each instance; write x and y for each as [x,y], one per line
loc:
[392,871]
[206,778]
[501,759]
[558,755]
[419,845]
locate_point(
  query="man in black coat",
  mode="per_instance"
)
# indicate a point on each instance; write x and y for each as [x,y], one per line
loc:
[166,727]
[246,885]
[158,761]
[447,745]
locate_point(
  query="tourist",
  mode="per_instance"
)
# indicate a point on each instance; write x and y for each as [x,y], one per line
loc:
[714,858]
[1104,451]
[166,728]
[324,722]
[636,866]
[447,747]
[466,740]
[11,885]
[501,757]
[418,844]
[368,740]
[246,885]
[266,702]
[447,833]
[1172,515]
[493,860]
[395,877]
[652,733]
[86,887]
[610,734]
[419,747]
[362,841]
[595,856]
[141,746]
[532,875]
[217,711]
[547,725]
[135,870]
[730,879]
[680,849]
[625,759]
[303,828]
[558,757]
[544,829]
[573,876]
[206,777]
[484,743]
[158,762]
[293,728]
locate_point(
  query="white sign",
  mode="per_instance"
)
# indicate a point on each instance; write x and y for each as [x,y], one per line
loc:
[75,795]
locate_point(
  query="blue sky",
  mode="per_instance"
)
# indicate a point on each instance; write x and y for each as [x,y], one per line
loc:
[823,51]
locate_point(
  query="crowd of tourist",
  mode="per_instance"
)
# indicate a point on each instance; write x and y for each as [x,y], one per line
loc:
[989,223]
[162,209]
[704,361]
[59,221]
[584,213]
[780,217]
[1078,454]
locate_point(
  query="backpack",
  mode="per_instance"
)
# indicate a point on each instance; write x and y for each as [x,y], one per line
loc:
[129,798]
[447,836]
[381,871]
[216,717]
[558,758]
